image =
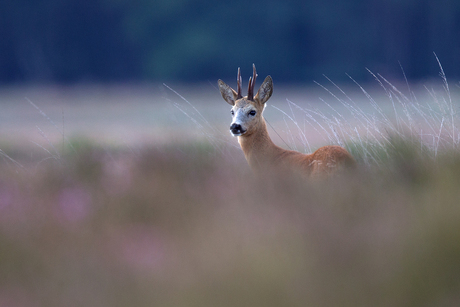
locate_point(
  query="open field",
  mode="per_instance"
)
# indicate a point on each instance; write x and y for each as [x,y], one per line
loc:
[299,117]
[133,196]
[124,114]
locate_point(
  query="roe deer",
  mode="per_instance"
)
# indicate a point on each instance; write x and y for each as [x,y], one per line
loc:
[262,154]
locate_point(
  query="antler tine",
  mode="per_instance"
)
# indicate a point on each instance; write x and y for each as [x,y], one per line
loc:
[254,76]
[239,81]
[252,83]
[250,89]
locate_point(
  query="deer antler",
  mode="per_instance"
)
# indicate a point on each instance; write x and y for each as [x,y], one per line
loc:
[252,83]
[239,81]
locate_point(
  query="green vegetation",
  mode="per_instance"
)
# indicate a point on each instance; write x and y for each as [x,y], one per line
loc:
[189,226]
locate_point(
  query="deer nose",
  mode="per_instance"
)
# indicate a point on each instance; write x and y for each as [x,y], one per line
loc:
[236,129]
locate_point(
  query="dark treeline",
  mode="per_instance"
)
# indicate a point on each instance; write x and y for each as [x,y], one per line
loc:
[196,40]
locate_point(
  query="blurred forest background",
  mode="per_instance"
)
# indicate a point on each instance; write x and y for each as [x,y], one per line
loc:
[68,41]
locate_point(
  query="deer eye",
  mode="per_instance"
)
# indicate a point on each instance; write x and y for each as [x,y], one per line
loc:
[252,113]
[233,112]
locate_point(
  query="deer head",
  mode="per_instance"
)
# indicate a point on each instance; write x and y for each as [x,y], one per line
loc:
[246,111]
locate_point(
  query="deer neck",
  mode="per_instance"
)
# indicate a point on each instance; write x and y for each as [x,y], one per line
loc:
[258,147]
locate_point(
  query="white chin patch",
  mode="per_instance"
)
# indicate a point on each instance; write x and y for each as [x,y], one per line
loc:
[237,134]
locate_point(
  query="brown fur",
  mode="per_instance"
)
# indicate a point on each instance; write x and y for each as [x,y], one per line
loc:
[263,155]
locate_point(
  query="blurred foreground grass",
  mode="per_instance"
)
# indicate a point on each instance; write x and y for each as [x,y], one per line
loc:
[190,226]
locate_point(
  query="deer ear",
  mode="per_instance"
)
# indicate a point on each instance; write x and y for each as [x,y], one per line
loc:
[265,91]
[229,94]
